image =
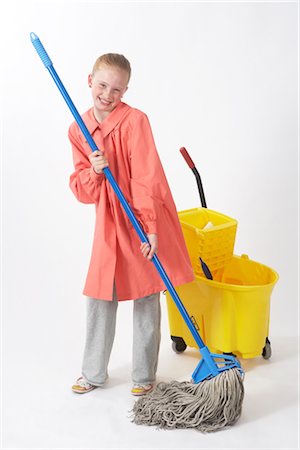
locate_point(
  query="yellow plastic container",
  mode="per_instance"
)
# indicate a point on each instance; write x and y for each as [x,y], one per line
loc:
[231,312]
[214,244]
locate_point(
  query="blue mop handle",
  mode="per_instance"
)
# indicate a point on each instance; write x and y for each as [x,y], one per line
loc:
[48,64]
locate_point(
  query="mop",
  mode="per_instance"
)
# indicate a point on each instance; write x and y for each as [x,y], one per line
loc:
[213,399]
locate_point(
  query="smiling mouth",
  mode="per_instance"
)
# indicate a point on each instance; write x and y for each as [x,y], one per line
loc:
[104,102]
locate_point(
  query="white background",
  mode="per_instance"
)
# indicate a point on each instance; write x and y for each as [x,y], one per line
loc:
[221,79]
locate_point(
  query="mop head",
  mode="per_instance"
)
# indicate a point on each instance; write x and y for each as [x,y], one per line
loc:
[207,406]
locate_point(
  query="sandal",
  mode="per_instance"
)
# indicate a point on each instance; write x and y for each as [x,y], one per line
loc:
[82,386]
[141,389]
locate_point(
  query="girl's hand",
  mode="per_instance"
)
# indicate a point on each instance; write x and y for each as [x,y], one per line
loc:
[149,250]
[98,161]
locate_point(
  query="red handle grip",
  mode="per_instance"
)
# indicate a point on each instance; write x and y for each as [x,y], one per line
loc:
[187,157]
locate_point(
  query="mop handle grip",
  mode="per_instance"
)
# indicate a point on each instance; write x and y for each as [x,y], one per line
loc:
[187,157]
[41,51]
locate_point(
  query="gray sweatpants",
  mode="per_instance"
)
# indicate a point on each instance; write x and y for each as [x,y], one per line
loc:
[100,333]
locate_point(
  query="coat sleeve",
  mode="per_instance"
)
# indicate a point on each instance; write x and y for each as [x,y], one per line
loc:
[84,182]
[148,183]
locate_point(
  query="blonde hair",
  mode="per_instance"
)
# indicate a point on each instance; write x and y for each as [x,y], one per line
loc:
[113,60]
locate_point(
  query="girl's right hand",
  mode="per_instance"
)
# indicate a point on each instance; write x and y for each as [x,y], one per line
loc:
[149,250]
[98,161]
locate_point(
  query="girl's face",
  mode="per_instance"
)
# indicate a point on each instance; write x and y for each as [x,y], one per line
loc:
[108,85]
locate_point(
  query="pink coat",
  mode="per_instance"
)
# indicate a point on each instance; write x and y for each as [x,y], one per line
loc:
[125,137]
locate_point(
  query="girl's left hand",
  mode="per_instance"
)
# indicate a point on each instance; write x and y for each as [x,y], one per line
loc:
[149,250]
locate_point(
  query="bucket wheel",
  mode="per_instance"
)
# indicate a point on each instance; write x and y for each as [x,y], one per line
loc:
[230,354]
[267,351]
[178,344]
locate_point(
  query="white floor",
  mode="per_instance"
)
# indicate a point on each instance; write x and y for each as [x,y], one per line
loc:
[41,412]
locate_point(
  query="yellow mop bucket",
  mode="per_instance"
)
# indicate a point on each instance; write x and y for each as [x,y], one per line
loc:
[231,312]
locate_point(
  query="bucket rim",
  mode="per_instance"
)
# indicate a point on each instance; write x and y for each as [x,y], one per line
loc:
[239,287]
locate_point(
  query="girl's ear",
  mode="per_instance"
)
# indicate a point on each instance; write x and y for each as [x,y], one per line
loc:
[90,78]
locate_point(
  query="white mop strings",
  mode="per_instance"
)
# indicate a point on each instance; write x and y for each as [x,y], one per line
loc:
[207,406]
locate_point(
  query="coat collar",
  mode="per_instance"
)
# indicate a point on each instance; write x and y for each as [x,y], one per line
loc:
[109,123]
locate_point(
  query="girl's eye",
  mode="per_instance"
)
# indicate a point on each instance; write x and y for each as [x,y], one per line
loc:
[102,85]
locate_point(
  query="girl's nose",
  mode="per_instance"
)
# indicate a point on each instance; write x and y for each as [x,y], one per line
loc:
[108,93]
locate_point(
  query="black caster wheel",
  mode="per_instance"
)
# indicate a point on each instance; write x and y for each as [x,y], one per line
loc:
[229,353]
[267,351]
[178,344]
